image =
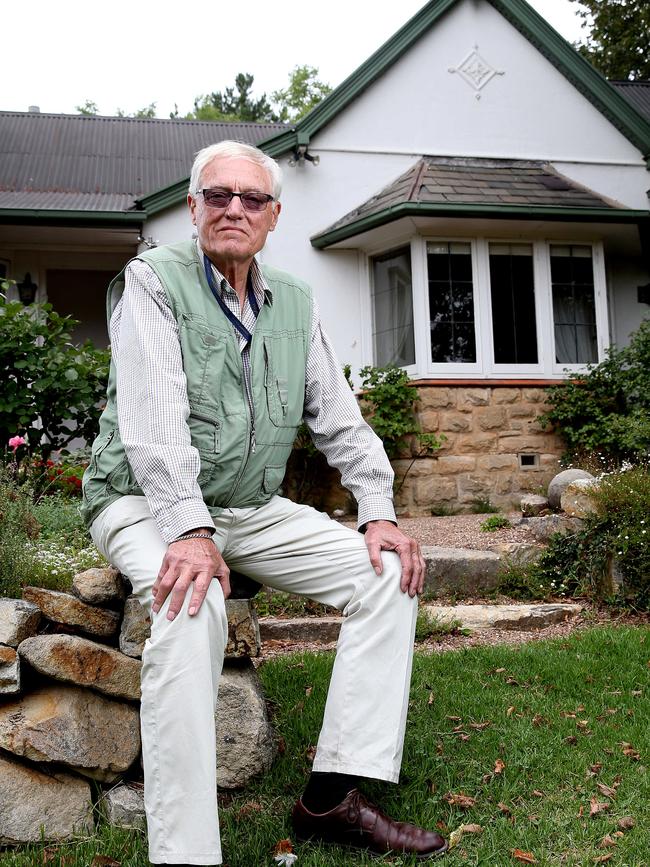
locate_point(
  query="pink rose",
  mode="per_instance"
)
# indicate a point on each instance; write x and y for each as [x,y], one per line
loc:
[14,442]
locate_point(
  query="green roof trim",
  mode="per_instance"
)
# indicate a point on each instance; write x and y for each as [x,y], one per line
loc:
[493,212]
[529,23]
[165,197]
[45,216]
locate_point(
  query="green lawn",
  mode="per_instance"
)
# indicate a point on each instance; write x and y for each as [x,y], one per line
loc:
[529,733]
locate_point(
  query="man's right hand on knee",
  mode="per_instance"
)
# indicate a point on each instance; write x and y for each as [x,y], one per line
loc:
[189,562]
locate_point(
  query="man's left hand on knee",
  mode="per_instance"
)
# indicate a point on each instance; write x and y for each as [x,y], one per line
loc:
[385,536]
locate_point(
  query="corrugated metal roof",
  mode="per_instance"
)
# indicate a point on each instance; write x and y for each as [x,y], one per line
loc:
[53,161]
[637,94]
[461,181]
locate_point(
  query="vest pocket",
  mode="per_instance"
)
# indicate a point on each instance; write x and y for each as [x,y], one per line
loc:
[276,385]
[205,433]
[102,442]
[273,478]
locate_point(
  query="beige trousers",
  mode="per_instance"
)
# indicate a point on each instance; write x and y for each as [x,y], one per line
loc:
[292,548]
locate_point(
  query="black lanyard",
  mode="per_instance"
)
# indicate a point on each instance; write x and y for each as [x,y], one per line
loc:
[252,300]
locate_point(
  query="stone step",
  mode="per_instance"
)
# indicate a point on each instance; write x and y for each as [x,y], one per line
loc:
[516,617]
[461,571]
[316,630]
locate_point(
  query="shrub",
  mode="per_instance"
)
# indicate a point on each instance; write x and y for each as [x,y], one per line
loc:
[51,389]
[607,409]
[494,522]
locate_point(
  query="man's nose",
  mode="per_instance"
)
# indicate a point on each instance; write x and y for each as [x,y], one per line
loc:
[235,209]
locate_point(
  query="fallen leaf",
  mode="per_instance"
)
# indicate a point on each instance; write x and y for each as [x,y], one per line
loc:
[310,753]
[538,794]
[583,725]
[104,861]
[524,857]
[440,748]
[596,807]
[472,829]
[539,720]
[626,823]
[459,800]
[594,769]
[308,691]
[504,808]
[456,836]
[430,701]
[480,726]
[463,737]
[510,711]
[283,846]
[247,809]
[499,766]
[581,811]
[602,858]
[629,751]
[618,834]
[432,787]
[455,718]
[486,778]
[607,791]
[440,825]
[606,842]
[571,741]
[636,692]
[511,681]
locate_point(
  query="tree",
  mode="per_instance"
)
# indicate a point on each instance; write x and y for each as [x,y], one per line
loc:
[89,108]
[147,111]
[303,93]
[618,40]
[233,104]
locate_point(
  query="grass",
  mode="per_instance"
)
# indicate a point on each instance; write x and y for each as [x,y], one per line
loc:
[556,714]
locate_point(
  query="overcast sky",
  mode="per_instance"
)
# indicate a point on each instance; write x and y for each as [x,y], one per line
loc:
[125,54]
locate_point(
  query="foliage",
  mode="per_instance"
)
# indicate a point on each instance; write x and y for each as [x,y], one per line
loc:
[427,625]
[607,409]
[481,506]
[89,107]
[303,93]
[147,111]
[51,389]
[234,103]
[493,523]
[618,40]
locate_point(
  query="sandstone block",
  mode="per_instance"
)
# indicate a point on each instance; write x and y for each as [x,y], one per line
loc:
[613,581]
[428,491]
[518,553]
[455,422]
[9,671]
[560,483]
[460,571]
[496,462]
[474,484]
[503,483]
[67,609]
[316,630]
[84,663]
[451,464]
[99,586]
[479,443]
[135,629]
[436,398]
[534,395]
[492,418]
[518,617]
[18,620]
[576,500]
[513,444]
[533,505]
[124,806]
[470,397]
[246,744]
[522,410]
[429,420]
[545,526]
[36,806]
[93,735]
[506,395]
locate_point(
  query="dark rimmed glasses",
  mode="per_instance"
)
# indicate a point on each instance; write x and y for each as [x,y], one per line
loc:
[216,198]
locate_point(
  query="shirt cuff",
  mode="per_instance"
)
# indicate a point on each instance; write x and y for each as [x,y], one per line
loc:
[183,517]
[375,507]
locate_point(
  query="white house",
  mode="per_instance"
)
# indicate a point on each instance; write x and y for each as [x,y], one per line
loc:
[469,204]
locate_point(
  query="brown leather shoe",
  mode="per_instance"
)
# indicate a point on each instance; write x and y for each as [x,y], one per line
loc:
[356,822]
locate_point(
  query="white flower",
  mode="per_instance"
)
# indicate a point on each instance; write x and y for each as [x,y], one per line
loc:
[286,859]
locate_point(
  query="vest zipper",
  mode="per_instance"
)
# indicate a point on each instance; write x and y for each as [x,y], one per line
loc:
[251,438]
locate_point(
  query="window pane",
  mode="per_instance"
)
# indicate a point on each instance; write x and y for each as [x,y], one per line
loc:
[512,289]
[451,302]
[574,304]
[393,309]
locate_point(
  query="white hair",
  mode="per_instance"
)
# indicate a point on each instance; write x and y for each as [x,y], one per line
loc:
[238,150]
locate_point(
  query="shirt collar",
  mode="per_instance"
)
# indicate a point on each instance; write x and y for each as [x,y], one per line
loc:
[260,286]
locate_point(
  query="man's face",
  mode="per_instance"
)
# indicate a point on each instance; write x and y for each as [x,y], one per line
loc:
[233,235]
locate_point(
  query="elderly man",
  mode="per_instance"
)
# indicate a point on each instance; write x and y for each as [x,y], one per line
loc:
[216,361]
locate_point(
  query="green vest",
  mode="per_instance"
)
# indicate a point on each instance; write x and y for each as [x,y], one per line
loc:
[236,470]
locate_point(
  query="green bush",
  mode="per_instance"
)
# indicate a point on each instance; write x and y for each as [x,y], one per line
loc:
[493,523]
[51,390]
[607,410]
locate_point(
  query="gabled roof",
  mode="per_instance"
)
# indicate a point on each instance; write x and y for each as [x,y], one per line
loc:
[530,24]
[459,187]
[92,166]
[637,93]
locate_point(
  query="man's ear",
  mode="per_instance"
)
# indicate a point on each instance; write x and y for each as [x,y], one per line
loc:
[191,204]
[277,207]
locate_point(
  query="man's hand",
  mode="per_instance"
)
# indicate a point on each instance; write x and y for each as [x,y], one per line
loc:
[385,536]
[191,561]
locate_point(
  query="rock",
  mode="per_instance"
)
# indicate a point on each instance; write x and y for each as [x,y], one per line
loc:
[533,504]
[243,629]
[35,806]
[136,627]
[309,629]
[84,663]
[93,735]
[9,671]
[613,580]
[246,743]
[459,570]
[576,500]
[558,484]
[544,527]
[124,806]
[99,586]
[517,553]
[67,609]
[523,617]
[18,620]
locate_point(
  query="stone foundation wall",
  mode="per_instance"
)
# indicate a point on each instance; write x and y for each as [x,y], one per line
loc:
[486,429]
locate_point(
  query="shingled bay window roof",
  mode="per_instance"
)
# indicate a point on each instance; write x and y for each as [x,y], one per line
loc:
[460,187]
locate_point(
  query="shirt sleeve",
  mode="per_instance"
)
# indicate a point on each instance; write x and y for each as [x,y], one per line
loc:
[339,431]
[152,404]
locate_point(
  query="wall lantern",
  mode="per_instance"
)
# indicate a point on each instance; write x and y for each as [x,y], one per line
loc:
[27,290]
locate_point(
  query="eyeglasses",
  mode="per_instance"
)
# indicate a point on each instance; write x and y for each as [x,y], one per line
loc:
[222,198]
